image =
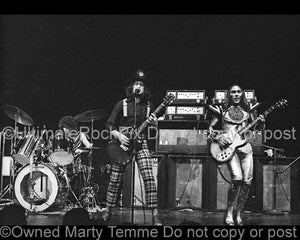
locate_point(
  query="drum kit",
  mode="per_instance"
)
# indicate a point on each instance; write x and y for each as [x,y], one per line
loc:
[42,168]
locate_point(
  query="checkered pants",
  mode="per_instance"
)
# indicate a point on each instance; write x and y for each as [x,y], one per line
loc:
[144,162]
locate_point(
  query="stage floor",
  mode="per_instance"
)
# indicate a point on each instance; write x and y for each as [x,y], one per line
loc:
[122,216]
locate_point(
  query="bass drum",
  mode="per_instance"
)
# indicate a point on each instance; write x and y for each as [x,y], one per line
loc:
[48,187]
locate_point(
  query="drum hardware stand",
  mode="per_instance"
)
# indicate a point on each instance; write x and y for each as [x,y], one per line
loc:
[89,194]
[19,116]
[9,188]
[88,190]
[274,211]
[76,198]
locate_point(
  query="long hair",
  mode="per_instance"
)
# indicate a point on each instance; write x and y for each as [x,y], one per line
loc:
[228,100]
[68,122]
[144,97]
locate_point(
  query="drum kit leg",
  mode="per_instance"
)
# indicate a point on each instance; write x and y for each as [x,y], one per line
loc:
[38,178]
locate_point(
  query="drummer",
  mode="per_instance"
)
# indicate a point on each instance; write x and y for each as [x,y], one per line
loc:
[76,138]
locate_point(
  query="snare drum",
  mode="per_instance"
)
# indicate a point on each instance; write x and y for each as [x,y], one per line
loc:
[25,149]
[49,187]
[60,155]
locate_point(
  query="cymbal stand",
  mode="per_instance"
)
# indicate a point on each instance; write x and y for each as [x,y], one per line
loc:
[89,193]
[2,155]
[9,188]
[90,155]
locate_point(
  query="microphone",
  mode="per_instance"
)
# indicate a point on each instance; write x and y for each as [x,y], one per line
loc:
[137,92]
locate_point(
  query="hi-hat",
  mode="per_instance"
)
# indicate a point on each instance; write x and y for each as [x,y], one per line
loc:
[91,115]
[18,115]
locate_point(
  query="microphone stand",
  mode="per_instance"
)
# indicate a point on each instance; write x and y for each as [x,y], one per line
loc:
[274,211]
[284,169]
[133,164]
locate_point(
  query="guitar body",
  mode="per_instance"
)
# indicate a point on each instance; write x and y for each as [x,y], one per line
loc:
[223,154]
[117,154]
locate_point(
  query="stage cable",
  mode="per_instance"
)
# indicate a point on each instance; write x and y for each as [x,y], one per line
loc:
[222,175]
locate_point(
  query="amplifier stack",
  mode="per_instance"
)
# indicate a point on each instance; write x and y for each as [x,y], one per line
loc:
[188,105]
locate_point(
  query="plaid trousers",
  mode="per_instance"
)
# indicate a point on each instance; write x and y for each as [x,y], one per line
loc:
[143,160]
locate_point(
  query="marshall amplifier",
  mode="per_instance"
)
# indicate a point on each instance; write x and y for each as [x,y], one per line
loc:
[183,141]
[193,97]
[195,113]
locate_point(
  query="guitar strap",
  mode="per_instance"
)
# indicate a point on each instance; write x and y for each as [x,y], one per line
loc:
[148,109]
[125,107]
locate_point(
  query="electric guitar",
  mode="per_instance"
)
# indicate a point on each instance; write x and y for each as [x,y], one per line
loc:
[236,136]
[122,153]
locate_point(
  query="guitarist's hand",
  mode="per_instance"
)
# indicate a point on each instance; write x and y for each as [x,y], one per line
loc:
[261,117]
[223,141]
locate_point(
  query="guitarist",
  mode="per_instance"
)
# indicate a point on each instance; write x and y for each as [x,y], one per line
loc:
[235,111]
[129,112]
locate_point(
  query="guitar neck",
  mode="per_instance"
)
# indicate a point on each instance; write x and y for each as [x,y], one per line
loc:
[245,129]
[145,123]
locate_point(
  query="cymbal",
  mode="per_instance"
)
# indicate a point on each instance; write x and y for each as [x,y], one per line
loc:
[90,115]
[18,115]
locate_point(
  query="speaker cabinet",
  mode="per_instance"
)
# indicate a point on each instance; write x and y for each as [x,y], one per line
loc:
[276,186]
[139,187]
[220,181]
[223,184]
[182,141]
[284,195]
[183,182]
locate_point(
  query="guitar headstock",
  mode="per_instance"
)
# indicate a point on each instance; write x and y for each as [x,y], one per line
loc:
[168,99]
[281,103]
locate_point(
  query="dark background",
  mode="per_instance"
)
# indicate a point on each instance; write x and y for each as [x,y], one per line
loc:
[56,65]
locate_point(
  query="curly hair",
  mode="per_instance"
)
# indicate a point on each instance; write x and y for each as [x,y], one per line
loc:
[228,100]
[144,97]
[68,122]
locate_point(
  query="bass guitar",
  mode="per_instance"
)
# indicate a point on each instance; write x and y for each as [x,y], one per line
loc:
[236,137]
[123,154]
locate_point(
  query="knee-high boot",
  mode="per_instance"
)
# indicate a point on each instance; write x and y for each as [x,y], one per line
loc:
[242,199]
[232,194]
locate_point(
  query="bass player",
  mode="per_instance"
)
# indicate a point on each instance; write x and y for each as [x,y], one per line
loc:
[127,113]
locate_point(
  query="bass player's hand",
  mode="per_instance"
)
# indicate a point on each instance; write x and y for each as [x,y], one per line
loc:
[123,139]
[152,119]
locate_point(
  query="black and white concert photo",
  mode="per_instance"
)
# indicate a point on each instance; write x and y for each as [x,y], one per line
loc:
[150,120]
